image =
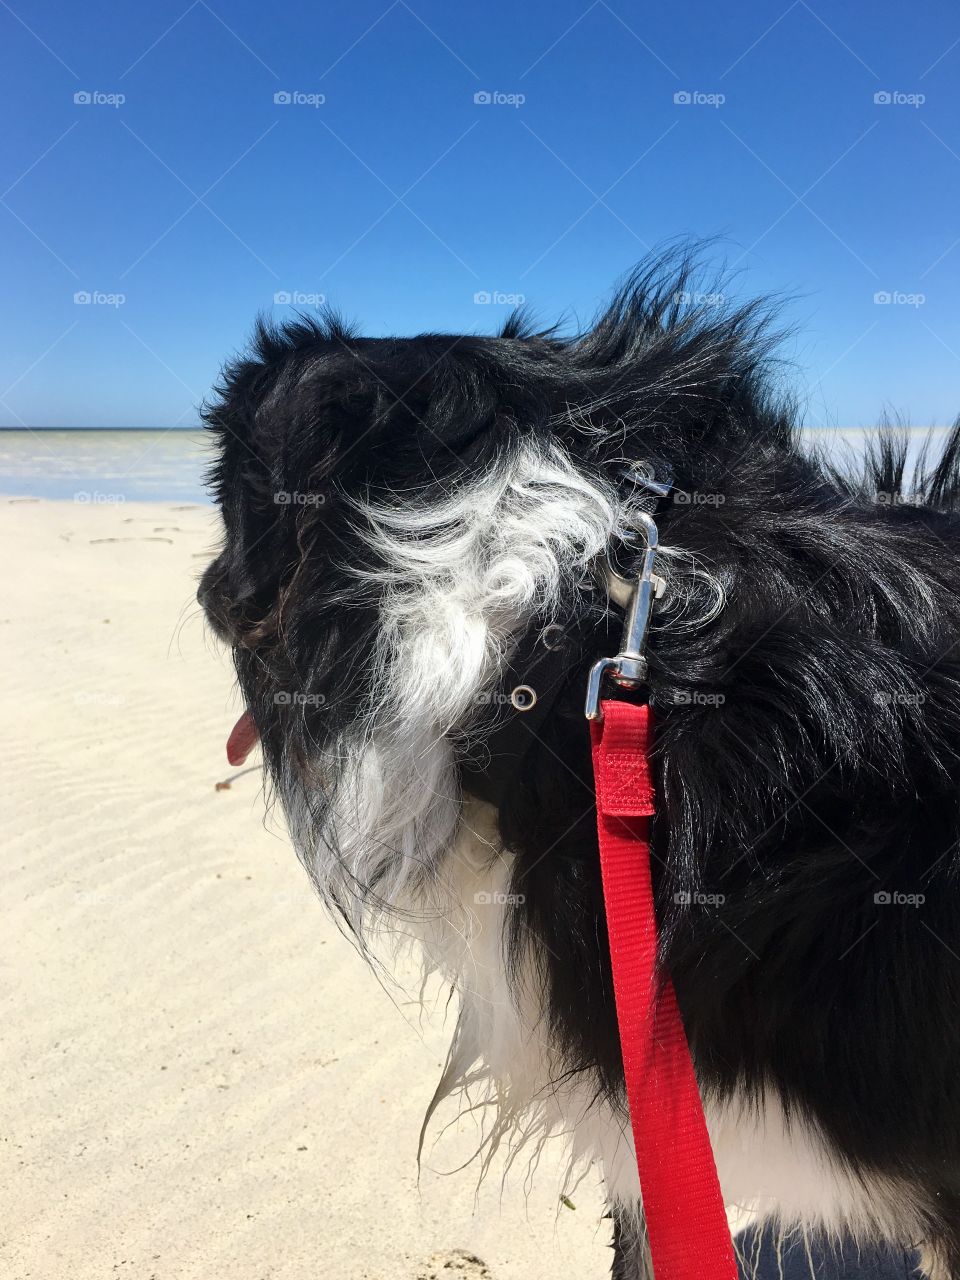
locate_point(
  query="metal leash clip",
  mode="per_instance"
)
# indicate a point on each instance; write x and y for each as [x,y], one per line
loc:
[629,668]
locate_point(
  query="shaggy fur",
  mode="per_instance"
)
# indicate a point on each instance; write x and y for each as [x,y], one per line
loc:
[402,514]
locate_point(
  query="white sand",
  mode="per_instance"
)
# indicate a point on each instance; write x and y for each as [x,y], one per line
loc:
[200,1077]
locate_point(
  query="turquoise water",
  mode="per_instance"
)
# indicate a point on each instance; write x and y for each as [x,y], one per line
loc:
[103,466]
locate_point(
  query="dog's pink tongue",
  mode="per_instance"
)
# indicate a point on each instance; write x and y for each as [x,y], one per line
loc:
[243,738]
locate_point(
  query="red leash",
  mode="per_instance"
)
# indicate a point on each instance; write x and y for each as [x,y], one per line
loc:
[686,1223]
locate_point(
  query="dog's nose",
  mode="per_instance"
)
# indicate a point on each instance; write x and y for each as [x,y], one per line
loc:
[210,597]
[203,590]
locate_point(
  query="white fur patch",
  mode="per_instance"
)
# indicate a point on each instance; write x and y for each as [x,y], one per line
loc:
[458,582]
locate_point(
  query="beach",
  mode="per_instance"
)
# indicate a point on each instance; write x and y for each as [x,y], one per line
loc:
[202,1077]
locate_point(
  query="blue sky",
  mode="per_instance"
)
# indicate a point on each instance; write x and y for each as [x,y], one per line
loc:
[199,199]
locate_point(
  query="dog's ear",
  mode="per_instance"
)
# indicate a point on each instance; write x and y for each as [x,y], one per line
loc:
[310,396]
[430,405]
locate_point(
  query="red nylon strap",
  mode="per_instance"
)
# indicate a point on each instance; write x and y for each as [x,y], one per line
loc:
[686,1222]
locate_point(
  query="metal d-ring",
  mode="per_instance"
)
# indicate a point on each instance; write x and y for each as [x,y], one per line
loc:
[629,668]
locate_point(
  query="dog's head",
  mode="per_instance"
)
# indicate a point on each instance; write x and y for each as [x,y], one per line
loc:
[402,514]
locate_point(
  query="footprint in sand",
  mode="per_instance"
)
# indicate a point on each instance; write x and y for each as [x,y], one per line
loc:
[94,541]
[453,1264]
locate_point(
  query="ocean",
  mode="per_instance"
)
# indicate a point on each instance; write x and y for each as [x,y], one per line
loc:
[121,465]
[109,465]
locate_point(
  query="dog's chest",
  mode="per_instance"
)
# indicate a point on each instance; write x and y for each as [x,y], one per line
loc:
[767,1166]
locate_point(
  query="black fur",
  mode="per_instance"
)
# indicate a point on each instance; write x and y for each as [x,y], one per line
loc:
[808,748]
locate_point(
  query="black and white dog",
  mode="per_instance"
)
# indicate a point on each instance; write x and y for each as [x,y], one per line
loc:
[416,535]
